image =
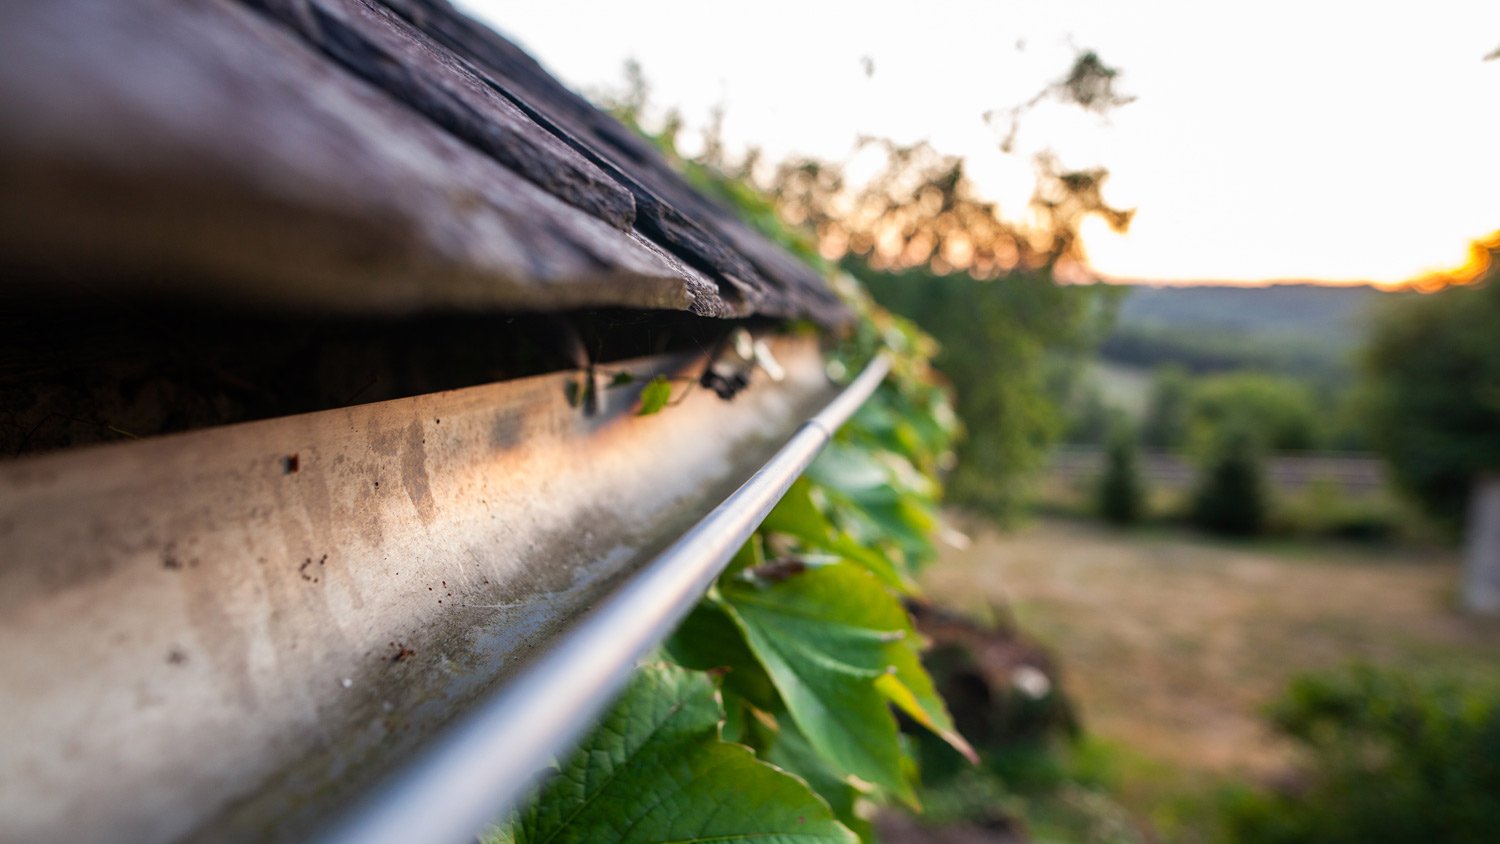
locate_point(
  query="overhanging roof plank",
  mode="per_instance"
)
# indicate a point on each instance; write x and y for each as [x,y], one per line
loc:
[669,209]
[201,150]
[382,48]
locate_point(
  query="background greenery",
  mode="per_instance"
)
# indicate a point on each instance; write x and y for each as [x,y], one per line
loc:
[804,635]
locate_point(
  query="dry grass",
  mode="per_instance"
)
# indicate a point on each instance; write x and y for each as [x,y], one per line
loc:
[1173,642]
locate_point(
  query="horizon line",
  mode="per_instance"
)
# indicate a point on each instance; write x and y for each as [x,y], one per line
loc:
[1134,281]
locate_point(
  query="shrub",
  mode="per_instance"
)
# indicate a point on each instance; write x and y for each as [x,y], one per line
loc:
[1325,509]
[1167,408]
[1090,419]
[1231,494]
[1282,412]
[1393,759]
[1120,496]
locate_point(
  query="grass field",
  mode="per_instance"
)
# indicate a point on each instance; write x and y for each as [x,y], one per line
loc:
[1173,643]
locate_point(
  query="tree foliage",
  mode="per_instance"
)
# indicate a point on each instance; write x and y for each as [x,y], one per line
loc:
[1231,496]
[1012,348]
[921,210]
[1167,408]
[1121,496]
[930,247]
[1432,370]
[1090,416]
[1281,413]
[1392,759]
[1088,84]
[921,236]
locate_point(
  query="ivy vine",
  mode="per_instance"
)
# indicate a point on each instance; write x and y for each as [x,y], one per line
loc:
[770,714]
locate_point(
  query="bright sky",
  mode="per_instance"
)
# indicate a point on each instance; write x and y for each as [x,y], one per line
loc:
[1270,140]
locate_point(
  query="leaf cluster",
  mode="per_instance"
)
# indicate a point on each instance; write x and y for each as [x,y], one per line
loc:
[920,209]
[1121,497]
[1432,371]
[1231,496]
[771,714]
[918,233]
[1392,758]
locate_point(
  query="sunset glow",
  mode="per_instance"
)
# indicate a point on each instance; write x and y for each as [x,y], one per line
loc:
[1298,141]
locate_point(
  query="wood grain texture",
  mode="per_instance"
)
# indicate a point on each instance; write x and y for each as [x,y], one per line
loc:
[205,149]
[381,48]
[326,156]
[669,210]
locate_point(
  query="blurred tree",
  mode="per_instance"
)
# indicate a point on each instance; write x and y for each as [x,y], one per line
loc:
[1088,84]
[1389,759]
[1121,496]
[1281,413]
[1345,426]
[1167,408]
[1090,417]
[921,210]
[930,247]
[1432,371]
[1230,497]
[1433,378]
[1011,348]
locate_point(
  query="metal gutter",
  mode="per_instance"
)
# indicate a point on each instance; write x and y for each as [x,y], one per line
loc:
[484,766]
[232,634]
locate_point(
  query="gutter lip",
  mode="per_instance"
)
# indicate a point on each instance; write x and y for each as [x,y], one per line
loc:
[483,767]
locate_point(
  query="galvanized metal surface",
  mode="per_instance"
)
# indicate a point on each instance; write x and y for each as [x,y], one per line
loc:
[486,763]
[220,635]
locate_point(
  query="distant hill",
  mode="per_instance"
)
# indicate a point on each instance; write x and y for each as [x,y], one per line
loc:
[1299,329]
[1339,314]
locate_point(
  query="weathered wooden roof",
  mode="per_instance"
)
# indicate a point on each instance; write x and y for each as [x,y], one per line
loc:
[363,156]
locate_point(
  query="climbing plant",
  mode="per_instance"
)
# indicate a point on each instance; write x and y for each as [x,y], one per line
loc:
[771,712]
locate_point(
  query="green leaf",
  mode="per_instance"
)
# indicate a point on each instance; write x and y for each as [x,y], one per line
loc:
[849,469]
[825,637]
[655,771]
[708,640]
[788,749]
[796,515]
[910,688]
[620,379]
[877,563]
[655,395]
